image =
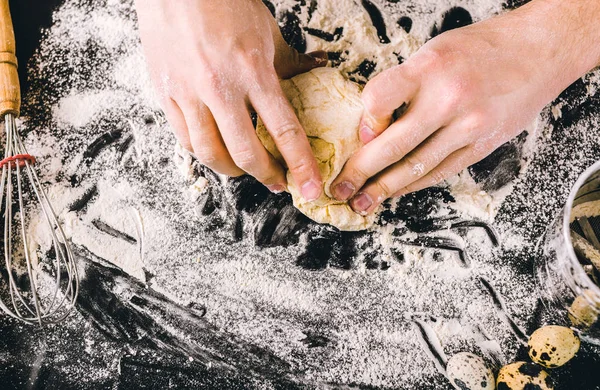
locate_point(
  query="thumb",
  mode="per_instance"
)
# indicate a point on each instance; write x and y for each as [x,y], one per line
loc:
[292,63]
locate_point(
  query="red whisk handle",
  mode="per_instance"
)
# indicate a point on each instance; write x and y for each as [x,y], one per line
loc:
[19,159]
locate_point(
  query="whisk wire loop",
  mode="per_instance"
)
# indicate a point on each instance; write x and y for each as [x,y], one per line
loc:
[33,288]
[45,301]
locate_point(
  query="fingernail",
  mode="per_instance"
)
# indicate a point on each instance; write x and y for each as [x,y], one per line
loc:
[310,190]
[366,133]
[361,203]
[343,190]
[276,188]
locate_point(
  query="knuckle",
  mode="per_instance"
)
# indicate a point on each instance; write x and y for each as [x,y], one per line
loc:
[479,119]
[167,88]
[414,187]
[430,57]
[266,175]
[460,94]
[453,96]
[384,189]
[265,178]
[475,124]
[265,80]
[174,94]
[252,58]
[285,133]
[358,174]
[301,165]
[245,159]
[437,176]
[206,156]
[213,78]
[415,164]
[393,150]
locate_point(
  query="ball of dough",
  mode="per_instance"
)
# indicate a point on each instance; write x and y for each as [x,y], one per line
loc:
[329,109]
[468,371]
[522,376]
[552,346]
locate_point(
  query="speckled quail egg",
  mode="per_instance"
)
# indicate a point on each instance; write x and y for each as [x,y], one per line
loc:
[585,309]
[467,371]
[552,346]
[523,376]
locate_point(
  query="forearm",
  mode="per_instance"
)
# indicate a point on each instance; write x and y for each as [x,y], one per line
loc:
[564,36]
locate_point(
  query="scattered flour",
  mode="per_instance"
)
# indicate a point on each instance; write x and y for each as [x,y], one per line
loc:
[360,40]
[261,295]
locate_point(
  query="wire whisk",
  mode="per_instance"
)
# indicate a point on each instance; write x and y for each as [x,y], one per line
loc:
[34,288]
[53,285]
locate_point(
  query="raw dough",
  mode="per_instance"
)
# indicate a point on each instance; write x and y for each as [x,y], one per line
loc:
[329,109]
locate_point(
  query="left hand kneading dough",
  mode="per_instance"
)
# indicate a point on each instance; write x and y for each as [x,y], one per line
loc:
[329,109]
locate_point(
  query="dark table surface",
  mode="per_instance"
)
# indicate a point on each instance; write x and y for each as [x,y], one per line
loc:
[151,357]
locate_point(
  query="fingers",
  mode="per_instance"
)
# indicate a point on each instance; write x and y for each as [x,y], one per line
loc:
[206,142]
[451,166]
[177,121]
[399,139]
[388,185]
[282,124]
[418,163]
[382,96]
[244,147]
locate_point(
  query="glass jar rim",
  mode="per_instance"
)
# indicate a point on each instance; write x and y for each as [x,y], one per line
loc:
[566,229]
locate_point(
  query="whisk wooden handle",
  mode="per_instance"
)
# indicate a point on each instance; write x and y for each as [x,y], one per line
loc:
[10,91]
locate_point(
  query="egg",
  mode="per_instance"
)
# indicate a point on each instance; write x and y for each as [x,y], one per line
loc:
[584,310]
[523,376]
[467,371]
[552,346]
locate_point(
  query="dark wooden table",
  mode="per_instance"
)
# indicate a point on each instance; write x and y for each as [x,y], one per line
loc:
[119,322]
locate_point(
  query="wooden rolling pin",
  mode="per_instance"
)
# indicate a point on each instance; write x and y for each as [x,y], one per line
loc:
[10,91]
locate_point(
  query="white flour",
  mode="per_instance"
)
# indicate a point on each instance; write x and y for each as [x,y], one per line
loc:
[261,295]
[360,40]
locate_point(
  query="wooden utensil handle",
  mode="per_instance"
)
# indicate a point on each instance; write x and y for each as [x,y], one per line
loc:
[10,91]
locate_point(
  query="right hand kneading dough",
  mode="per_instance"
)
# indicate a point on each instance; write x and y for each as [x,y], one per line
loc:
[329,109]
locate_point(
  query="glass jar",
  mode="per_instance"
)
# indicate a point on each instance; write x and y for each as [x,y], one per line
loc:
[568,259]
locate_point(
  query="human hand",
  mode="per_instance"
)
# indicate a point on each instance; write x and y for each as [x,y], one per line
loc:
[466,92]
[214,61]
